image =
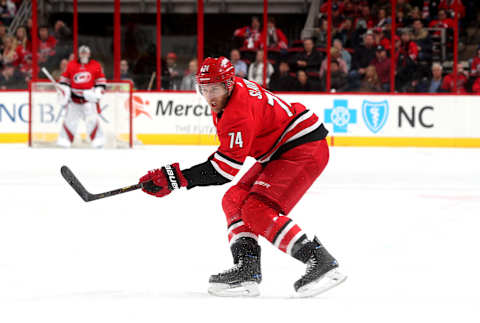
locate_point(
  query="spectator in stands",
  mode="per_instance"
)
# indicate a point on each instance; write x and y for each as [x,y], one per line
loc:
[125,74]
[24,50]
[174,75]
[11,78]
[345,32]
[416,13]
[9,54]
[240,66]
[337,15]
[370,82]
[320,34]
[451,5]
[308,60]
[188,81]
[419,33]
[281,79]
[61,69]
[448,84]
[46,46]
[276,39]
[338,78]
[365,21]
[475,66]
[421,37]
[350,9]
[383,19]
[377,5]
[407,53]
[303,84]
[362,57]
[434,84]
[250,34]
[22,37]
[381,39]
[382,67]
[255,70]
[403,5]
[476,86]
[3,33]
[337,43]
[443,21]
[401,20]
[335,56]
[7,11]
[63,35]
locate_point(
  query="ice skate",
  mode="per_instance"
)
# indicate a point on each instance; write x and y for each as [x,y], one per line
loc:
[243,278]
[321,274]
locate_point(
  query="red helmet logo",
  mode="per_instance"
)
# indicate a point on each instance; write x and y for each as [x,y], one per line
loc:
[217,70]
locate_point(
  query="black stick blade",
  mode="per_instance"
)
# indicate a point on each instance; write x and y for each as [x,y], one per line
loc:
[75,183]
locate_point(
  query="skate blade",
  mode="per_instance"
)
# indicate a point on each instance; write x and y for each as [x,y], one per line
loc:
[329,280]
[248,289]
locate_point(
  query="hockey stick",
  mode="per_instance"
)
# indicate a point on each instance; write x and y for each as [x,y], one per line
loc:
[50,77]
[87,196]
[150,84]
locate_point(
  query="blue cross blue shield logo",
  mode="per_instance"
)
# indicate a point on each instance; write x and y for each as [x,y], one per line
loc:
[375,114]
[341,116]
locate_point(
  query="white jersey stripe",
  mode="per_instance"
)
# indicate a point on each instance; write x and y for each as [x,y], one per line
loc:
[283,233]
[304,117]
[226,161]
[221,171]
[305,131]
[244,235]
[292,242]
[234,226]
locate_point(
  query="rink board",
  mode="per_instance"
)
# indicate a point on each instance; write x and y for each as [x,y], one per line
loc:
[352,120]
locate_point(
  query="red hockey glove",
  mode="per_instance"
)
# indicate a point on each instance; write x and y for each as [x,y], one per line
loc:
[160,182]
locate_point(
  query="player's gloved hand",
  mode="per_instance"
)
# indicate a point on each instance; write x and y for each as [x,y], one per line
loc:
[160,182]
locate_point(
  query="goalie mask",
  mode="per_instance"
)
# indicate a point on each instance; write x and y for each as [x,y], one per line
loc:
[215,81]
[84,54]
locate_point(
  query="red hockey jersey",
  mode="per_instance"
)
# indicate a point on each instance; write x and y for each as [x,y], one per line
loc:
[82,77]
[257,123]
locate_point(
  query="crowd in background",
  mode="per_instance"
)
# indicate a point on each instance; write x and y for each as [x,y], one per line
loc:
[360,51]
[361,48]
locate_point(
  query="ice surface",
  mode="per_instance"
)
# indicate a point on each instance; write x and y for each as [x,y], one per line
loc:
[403,223]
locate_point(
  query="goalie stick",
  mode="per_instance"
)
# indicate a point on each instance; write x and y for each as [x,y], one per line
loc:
[87,196]
[51,79]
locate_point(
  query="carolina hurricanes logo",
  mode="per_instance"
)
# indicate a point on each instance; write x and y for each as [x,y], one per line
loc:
[82,77]
[138,106]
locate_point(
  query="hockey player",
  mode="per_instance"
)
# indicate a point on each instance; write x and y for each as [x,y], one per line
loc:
[83,84]
[288,142]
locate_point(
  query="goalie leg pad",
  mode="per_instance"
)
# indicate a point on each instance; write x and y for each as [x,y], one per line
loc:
[94,129]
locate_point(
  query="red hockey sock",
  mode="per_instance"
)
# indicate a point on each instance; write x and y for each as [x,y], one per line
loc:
[232,203]
[264,220]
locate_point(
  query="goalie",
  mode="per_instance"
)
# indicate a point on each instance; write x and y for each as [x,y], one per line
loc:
[82,86]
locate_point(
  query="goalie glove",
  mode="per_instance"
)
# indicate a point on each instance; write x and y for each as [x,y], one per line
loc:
[90,96]
[63,94]
[93,95]
[160,182]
